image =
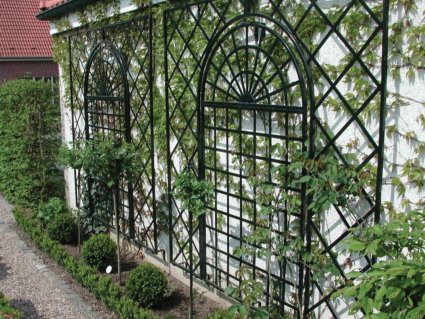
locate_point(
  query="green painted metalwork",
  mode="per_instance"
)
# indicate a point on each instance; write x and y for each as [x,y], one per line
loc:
[239,77]
[241,55]
[107,98]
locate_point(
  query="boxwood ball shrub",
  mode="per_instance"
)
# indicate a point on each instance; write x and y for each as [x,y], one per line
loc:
[63,229]
[99,251]
[146,285]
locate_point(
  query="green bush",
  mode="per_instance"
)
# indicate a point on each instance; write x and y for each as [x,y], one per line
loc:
[101,287]
[47,211]
[29,142]
[221,314]
[394,287]
[63,229]
[6,311]
[99,251]
[146,284]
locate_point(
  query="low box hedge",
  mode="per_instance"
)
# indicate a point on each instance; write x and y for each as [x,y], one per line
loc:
[102,287]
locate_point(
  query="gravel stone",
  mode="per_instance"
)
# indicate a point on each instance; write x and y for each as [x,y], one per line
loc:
[29,284]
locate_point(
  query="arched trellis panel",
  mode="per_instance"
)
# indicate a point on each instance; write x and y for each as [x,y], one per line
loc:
[107,115]
[117,93]
[255,91]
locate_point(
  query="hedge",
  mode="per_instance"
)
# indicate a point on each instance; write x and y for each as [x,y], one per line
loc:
[102,287]
[29,140]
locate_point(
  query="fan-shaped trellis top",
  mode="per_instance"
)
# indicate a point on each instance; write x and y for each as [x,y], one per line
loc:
[254,59]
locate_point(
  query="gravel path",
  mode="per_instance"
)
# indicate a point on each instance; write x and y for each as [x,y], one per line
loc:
[29,284]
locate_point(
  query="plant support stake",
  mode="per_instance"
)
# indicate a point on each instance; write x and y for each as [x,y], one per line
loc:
[79,214]
[116,211]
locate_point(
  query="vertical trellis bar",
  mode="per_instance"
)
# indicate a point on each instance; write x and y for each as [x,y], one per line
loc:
[383,101]
[167,114]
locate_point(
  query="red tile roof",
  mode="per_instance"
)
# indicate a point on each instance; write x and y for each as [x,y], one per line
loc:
[48,4]
[21,34]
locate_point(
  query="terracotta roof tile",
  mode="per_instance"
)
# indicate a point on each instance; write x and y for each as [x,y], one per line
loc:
[48,4]
[21,34]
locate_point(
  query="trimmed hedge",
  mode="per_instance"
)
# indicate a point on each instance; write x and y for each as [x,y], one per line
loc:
[29,142]
[6,311]
[102,287]
[63,228]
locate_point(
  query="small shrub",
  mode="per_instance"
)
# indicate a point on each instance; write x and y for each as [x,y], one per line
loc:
[146,285]
[62,228]
[47,211]
[221,314]
[6,311]
[99,251]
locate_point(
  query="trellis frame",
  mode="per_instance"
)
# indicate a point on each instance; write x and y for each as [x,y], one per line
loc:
[172,18]
[136,100]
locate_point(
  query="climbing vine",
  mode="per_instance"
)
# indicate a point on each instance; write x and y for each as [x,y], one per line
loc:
[345,85]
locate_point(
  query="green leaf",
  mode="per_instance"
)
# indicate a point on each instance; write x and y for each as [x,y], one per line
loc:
[354,274]
[381,293]
[367,304]
[337,293]
[304,179]
[356,246]
[229,291]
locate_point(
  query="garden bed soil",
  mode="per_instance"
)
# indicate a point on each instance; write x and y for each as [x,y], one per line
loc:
[175,304]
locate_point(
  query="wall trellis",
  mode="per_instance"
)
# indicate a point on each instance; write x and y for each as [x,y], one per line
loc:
[240,77]
[191,32]
[104,110]
[247,93]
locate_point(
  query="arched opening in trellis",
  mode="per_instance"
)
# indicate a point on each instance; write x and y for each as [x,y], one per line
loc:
[116,108]
[253,101]
[106,107]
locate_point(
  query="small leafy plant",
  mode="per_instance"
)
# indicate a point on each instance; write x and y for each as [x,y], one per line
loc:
[99,252]
[146,285]
[63,229]
[221,314]
[47,211]
[6,311]
[192,192]
[105,159]
[394,286]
